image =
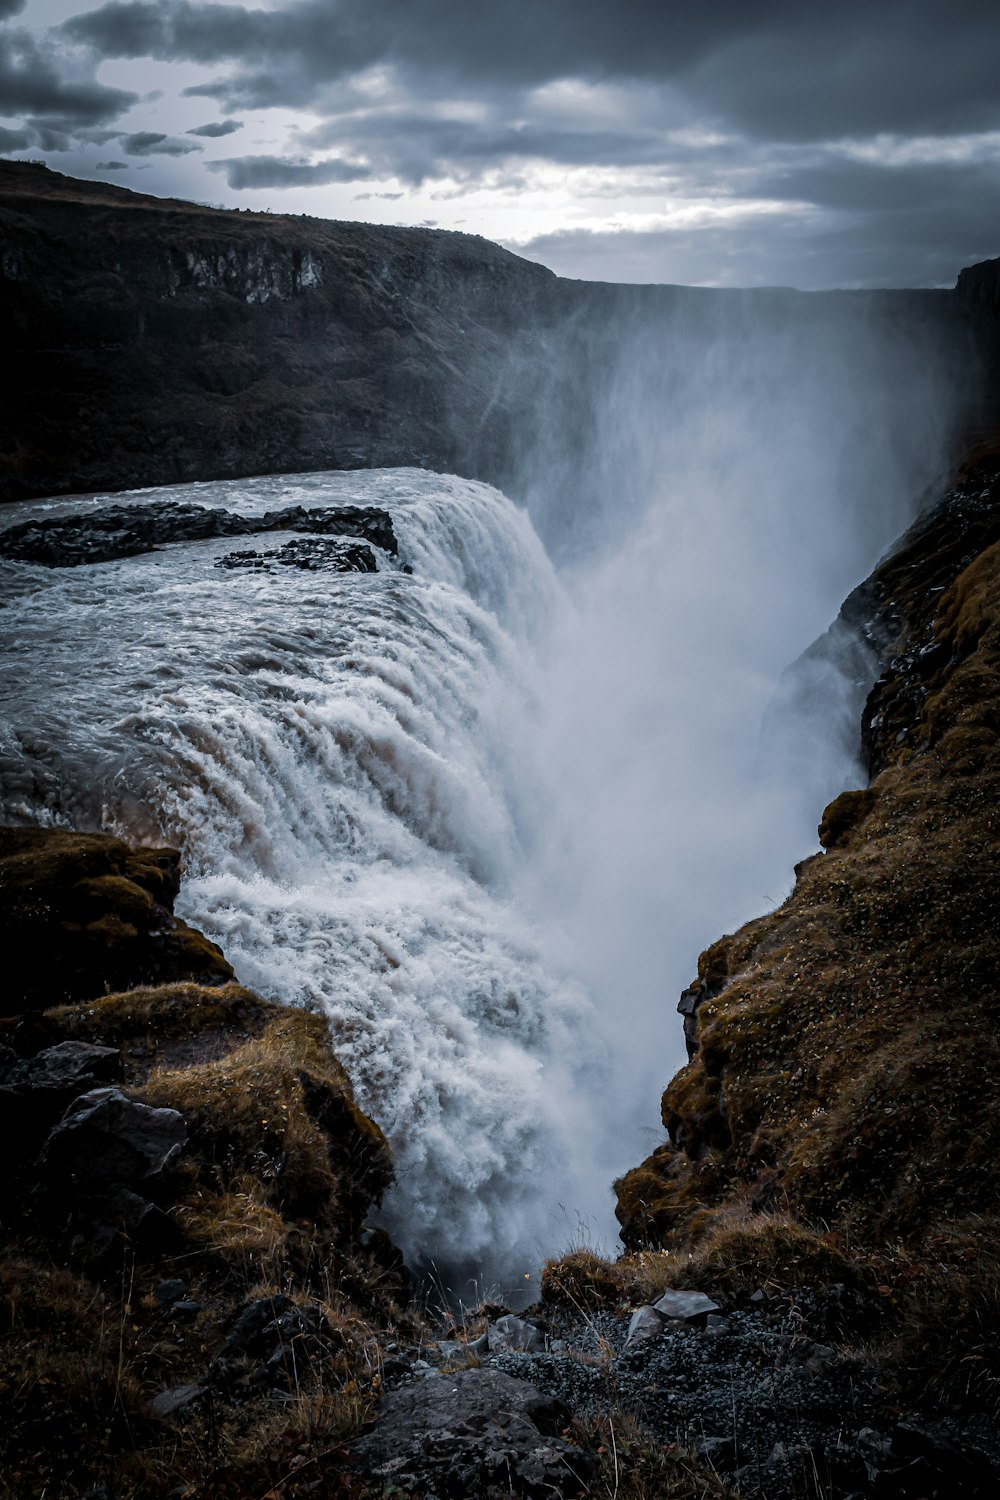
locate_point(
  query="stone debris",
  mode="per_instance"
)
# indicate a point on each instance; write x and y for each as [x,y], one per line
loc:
[475,1432]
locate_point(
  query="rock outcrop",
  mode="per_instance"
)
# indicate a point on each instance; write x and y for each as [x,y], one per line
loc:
[186,1179]
[841,1099]
[84,913]
[114,531]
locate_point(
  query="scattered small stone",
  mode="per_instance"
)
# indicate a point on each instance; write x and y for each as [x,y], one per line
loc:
[716,1323]
[186,1309]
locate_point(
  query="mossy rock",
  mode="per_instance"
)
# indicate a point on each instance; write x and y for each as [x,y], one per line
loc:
[843,815]
[581,1281]
[82,914]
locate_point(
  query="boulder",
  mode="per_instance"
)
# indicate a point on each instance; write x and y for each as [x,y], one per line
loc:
[34,1092]
[645,1323]
[513,1335]
[107,1141]
[475,1432]
[686,1307]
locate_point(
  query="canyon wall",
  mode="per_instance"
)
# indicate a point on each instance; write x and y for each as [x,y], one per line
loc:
[153,341]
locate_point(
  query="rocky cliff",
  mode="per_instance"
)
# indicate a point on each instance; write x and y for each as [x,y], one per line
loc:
[154,341]
[839,1115]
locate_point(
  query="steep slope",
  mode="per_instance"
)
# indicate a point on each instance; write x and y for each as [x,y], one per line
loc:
[156,341]
[841,1095]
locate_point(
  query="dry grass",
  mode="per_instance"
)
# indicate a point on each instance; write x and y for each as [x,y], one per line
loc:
[631,1466]
[845,1085]
[280,1169]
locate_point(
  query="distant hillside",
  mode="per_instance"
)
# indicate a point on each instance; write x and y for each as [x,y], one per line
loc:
[153,341]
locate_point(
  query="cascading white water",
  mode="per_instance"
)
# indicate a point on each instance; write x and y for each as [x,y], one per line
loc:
[484,815]
[341,759]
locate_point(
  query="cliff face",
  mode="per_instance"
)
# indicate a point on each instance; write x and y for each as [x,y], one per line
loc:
[153,341]
[844,1048]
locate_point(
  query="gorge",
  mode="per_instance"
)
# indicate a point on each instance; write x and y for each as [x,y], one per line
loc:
[477,785]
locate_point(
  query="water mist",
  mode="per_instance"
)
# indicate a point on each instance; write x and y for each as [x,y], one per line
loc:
[485,815]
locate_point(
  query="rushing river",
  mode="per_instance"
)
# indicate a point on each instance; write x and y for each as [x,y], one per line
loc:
[480,807]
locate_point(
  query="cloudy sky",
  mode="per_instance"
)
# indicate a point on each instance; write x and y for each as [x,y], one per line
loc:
[720,142]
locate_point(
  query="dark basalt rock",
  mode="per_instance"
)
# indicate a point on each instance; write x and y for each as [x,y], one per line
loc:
[117,531]
[107,1140]
[475,1432]
[106,1164]
[310,555]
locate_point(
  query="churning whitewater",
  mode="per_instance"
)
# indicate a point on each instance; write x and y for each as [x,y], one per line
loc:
[333,753]
[481,811]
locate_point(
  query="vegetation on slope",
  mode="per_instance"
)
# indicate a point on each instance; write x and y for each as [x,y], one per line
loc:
[840,1114]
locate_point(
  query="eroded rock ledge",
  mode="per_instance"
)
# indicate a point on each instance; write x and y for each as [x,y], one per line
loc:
[114,531]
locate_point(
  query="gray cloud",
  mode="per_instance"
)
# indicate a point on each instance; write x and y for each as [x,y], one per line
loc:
[113,166]
[10,8]
[284,171]
[155,143]
[736,105]
[14,140]
[31,82]
[823,249]
[779,67]
[216,128]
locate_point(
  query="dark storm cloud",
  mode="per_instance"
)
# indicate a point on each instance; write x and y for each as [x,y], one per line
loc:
[417,147]
[971,189]
[14,140]
[780,68]
[10,8]
[155,143]
[216,128]
[282,171]
[32,83]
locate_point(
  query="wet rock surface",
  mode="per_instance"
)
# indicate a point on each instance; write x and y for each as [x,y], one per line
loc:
[310,555]
[115,531]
